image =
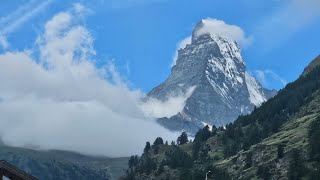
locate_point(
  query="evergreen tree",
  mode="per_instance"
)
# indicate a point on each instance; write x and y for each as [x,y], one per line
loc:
[214,130]
[185,174]
[264,172]
[158,141]
[315,172]
[130,175]
[156,149]
[178,158]
[248,160]
[149,165]
[182,139]
[195,149]
[204,153]
[133,161]
[280,151]
[203,134]
[161,167]
[314,138]
[246,144]
[296,167]
[147,147]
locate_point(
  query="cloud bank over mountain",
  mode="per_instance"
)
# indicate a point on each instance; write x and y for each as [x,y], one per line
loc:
[54,97]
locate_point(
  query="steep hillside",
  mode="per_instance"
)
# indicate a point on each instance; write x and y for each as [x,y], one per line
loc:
[61,165]
[279,140]
[293,135]
[313,64]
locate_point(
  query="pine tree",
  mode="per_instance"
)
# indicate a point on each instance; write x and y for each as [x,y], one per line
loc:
[296,167]
[147,147]
[158,141]
[182,139]
[248,160]
[280,151]
[195,149]
[314,136]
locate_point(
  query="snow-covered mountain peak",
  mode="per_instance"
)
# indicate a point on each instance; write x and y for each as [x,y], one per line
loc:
[205,33]
[224,90]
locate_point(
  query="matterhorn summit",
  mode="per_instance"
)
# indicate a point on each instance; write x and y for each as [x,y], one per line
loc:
[222,90]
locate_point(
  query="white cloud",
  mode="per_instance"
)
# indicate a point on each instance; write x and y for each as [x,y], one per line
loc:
[17,13]
[267,76]
[172,106]
[22,15]
[62,101]
[129,3]
[219,27]
[127,67]
[287,21]
[3,42]
[79,8]
[15,20]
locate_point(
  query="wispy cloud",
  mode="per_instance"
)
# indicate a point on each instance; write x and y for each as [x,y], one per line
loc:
[18,18]
[3,42]
[17,13]
[287,21]
[267,77]
[128,3]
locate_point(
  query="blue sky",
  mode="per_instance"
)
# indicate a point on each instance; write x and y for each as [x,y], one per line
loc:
[140,36]
[74,70]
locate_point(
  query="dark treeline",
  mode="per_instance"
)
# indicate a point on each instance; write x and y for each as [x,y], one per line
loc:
[244,132]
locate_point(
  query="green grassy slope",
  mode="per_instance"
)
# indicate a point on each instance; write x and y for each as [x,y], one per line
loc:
[293,135]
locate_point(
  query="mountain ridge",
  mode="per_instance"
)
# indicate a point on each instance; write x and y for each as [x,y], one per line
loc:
[57,164]
[312,65]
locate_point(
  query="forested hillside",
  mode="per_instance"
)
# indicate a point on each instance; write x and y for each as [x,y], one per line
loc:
[279,140]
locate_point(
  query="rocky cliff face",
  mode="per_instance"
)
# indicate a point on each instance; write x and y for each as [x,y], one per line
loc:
[223,90]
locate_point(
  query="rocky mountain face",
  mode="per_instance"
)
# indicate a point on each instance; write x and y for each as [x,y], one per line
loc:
[212,64]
